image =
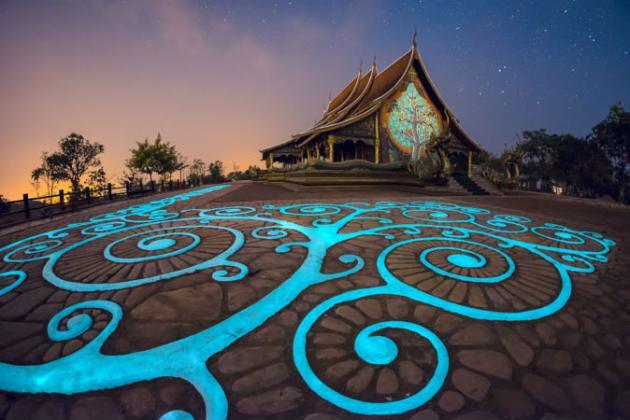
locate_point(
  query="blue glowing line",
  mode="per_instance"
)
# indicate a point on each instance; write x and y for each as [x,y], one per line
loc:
[452,226]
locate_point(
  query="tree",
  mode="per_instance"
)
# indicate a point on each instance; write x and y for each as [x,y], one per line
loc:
[142,159]
[612,135]
[43,173]
[165,158]
[97,180]
[412,121]
[215,169]
[182,163]
[197,170]
[157,157]
[75,157]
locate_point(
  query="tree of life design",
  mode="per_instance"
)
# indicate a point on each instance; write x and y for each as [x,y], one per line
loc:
[412,122]
[426,240]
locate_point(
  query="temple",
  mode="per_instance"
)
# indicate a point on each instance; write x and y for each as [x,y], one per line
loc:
[389,121]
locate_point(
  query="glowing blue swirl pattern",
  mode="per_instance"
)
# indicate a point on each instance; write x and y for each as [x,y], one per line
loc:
[456,242]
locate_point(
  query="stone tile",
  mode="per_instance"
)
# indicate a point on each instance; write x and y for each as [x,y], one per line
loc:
[477,415]
[350,314]
[243,359]
[137,401]
[587,392]
[24,303]
[321,416]
[471,384]
[95,408]
[260,379]
[473,335]
[269,334]
[520,351]
[272,402]
[446,323]
[341,369]
[451,402]
[23,409]
[361,380]
[546,392]
[622,403]
[397,308]
[512,404]
[489,362]
[556,362]
[50,410]
[547,333]
[409,372]
[427,414]
[201,303]
[11,332]
[424,313]
[288,318]
[328,339]
[239,296]
[370,307]
[329,353]
[387,382]
[336,325]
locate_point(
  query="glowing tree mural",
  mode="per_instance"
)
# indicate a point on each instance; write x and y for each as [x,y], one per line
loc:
[456,243]
[412,122]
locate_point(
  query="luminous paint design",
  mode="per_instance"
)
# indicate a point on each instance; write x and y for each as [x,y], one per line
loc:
[412,122]
[324,225]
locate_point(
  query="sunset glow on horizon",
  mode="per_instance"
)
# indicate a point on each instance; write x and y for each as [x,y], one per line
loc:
[222,80]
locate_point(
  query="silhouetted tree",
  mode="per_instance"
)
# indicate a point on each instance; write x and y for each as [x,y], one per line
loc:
[44,174]
[75,157]
[215,169]
[197,170]
[612,135]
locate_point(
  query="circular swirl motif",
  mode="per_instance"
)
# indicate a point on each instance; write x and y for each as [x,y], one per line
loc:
[381,348]
[461,259]
[310,210]
[154,243]
[465,260]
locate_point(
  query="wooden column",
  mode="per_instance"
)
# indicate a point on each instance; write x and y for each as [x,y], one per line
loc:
[331,147]
[377,142]
[469,163]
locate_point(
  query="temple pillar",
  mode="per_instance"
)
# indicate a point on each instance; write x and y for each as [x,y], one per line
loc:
[469,163]
[377,141]
[331,147]
[269,162]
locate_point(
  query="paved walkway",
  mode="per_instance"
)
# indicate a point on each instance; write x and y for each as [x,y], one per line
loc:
[336,307]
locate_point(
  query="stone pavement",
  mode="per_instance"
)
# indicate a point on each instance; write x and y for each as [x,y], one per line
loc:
[209,308]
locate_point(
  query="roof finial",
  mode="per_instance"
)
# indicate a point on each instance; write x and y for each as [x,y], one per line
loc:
[415,33]
[374,60]
[360,65]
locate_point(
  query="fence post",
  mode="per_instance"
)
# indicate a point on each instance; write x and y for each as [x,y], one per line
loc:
[87,195]
[127,189]
[170,185]
[109,192]
[162,186]
[62,200]
[152,186]
[27,208]
[141,188]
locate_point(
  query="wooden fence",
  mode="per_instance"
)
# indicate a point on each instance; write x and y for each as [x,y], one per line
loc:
[30,208]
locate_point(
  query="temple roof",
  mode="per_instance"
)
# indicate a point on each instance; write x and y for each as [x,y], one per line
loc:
[364,95]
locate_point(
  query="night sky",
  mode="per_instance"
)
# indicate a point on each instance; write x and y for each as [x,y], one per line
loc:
[222,79]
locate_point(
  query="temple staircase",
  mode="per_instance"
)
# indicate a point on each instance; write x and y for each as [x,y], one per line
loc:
[468,184]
